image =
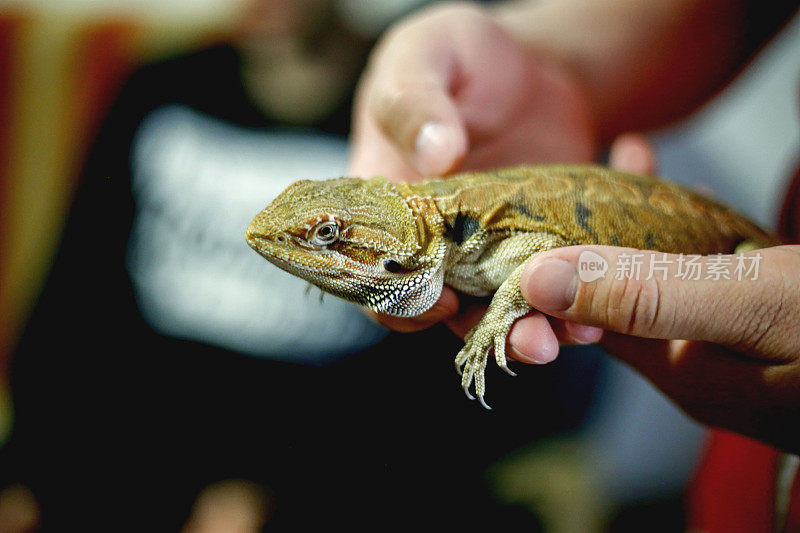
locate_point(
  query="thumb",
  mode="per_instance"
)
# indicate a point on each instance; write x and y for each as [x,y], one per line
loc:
[727,299]
[422,120]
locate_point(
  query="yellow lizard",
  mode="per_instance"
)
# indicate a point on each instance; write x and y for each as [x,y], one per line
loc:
[390,247]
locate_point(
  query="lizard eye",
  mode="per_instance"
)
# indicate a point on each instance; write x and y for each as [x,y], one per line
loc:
[325,233]
[392,266]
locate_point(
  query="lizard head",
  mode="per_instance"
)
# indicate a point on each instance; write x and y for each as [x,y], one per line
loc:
[357,239]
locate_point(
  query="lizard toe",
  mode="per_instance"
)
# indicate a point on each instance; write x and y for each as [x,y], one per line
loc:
[466,381]
[500,355]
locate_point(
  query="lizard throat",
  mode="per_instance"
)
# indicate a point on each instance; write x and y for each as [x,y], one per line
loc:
[412,297]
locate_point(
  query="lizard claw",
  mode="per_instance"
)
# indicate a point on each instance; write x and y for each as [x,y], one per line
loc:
[483,402]
[500,355]
[487,337]
[466,381]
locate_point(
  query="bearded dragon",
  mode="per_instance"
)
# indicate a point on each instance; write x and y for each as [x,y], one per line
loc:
[391,246]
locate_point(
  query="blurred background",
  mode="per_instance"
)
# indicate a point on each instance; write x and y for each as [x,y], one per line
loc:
[157,374]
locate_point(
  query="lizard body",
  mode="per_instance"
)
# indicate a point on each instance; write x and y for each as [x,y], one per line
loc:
[390,247]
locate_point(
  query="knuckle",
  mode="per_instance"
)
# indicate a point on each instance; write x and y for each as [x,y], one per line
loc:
[385,102]
[389,106]
[632,305]
[400,111]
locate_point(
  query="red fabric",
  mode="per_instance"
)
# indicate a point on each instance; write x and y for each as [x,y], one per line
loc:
[734,487]
[104,58]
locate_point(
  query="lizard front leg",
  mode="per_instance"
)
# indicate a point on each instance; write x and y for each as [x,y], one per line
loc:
[507,305]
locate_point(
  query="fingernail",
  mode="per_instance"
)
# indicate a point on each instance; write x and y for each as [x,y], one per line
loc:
[436,148]
[551,285]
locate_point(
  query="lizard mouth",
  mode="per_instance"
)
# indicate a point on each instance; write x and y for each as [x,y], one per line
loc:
[277,250]
[274,253]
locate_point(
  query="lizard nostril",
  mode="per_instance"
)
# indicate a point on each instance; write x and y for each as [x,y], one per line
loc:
[252,233]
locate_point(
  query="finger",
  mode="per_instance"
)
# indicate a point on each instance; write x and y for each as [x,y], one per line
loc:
[737,312]
[632,152]
[423,122]
[408,96]
[532,340]
[466,319]
[445,307]
[371,153]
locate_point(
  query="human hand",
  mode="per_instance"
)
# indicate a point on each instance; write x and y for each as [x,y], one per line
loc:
[450,89]
[739,368]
